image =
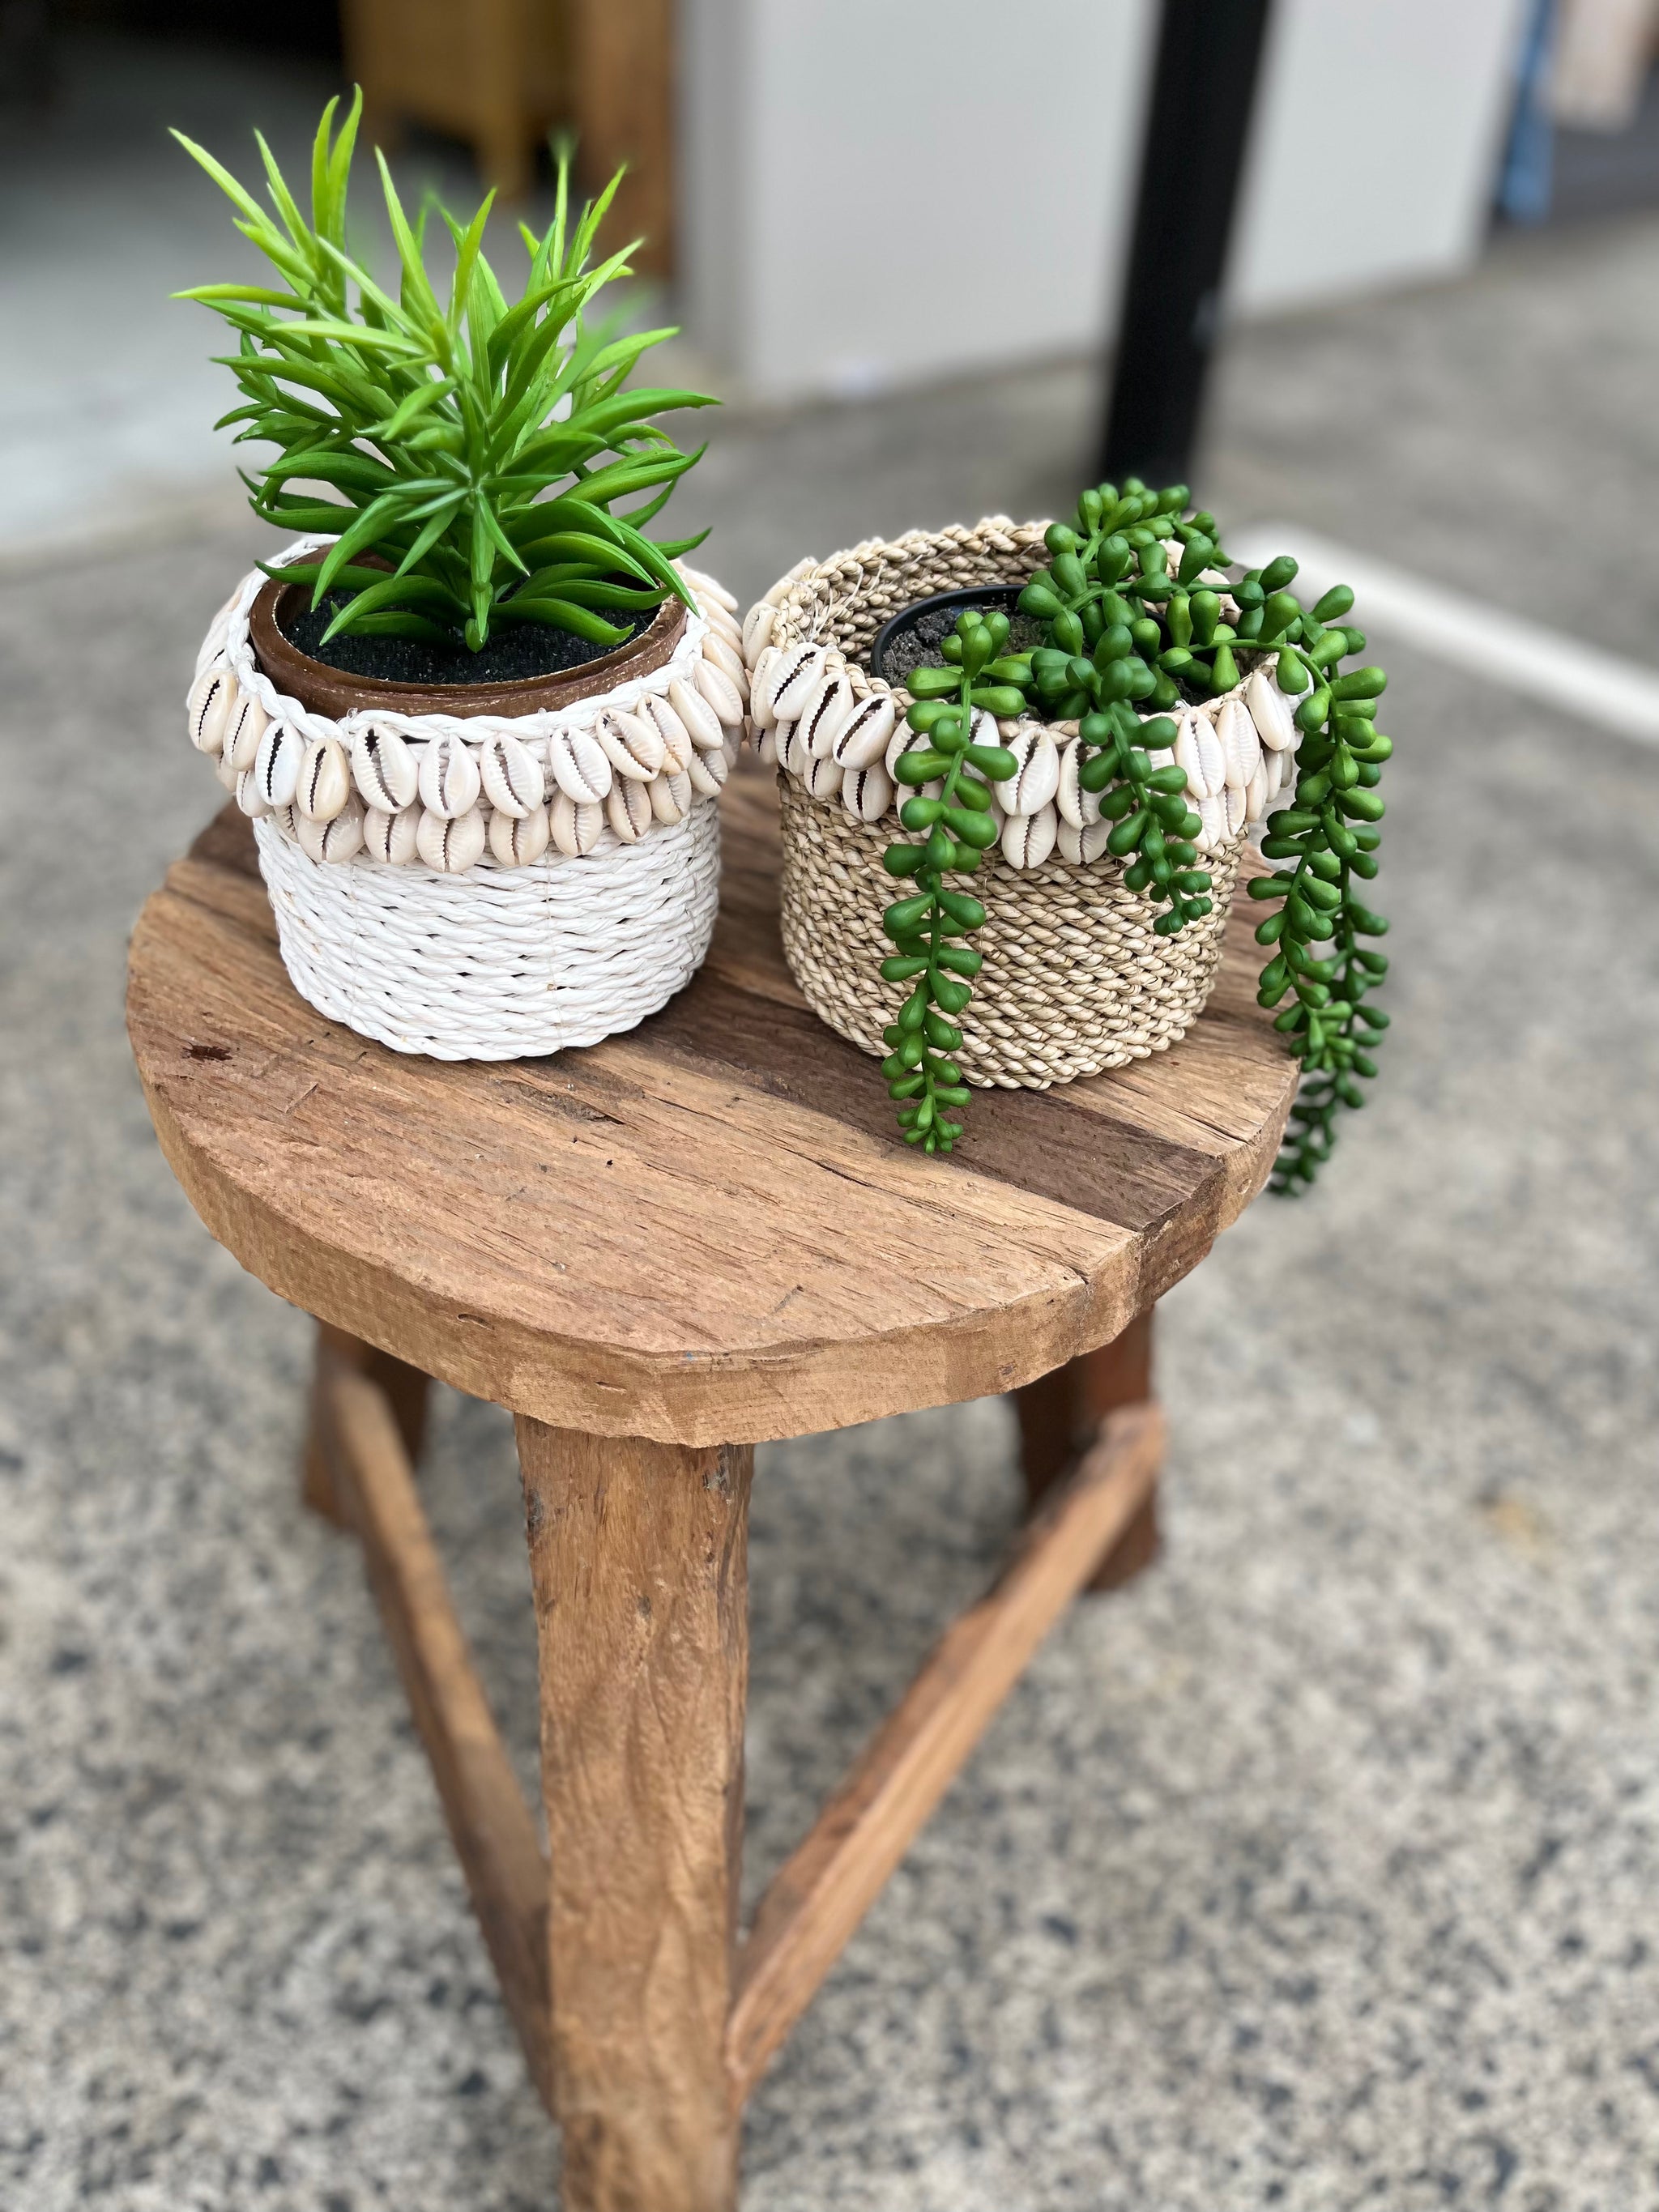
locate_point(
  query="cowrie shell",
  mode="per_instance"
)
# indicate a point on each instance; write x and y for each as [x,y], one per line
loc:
[245,726]
[516,840]
[705,587]
[670,797]
[341,838]
[794,679]
[212,647]
[1212,824]
[228,776]
[511,776]
[766,747]
[390,838]
[1028,839]
[335,841]
[824,713]
[823,778]
[1255,795]
[580,766]
[450,843]
[708,772]
[760,684]
[1035,780]
[632,744]
[277,764]
[793,755]
[1233,798]
[904,740]
[1271,712]
[1081,846]
[1198,749]
[383,769]
[576,825]
[211,696]
[325,780]
[779,591]
[628,810]
[758,632]
[1079,808]
[863,736]
[249,797]
[702,721]
[718,650]
[1241,748]
[676,737]
[733,745]
[866,793]
[907,740]
[449,784]
[718,693]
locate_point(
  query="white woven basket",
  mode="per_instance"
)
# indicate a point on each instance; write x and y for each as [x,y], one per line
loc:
[483,960]
[498,963]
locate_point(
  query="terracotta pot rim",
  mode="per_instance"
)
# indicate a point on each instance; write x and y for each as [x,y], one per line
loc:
[335,692]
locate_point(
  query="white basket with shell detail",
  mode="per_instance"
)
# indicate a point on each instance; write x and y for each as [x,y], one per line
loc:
[485,887]
[1075,979]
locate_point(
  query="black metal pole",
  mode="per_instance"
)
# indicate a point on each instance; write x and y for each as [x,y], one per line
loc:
[1198,121]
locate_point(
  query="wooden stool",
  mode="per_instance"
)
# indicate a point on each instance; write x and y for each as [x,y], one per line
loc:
[659,1252]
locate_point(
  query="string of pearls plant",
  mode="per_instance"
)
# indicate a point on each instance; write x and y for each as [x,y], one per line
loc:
[1136,610]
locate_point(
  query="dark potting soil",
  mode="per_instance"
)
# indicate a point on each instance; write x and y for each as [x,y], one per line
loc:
[513,653]
[919,645]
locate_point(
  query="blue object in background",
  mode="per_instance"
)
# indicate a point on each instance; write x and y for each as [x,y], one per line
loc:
[1527,178]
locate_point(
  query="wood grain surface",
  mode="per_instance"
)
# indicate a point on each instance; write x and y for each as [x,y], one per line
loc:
[639,1560]
[705,1230]
[1060,1411]
[829,1881]
[492,1828]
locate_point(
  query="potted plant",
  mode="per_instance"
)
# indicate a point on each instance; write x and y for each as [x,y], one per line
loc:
[479,718]
[1059,738]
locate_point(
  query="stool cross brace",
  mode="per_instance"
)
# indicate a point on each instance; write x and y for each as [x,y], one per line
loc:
[645,2019]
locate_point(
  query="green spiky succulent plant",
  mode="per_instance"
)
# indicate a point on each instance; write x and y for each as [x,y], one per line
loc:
[478,449]
[1126,631]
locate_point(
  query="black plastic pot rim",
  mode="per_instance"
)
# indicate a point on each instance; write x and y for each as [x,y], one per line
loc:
[1003,595]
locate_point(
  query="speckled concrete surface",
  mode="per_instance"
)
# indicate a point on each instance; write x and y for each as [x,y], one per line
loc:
[1318,1870]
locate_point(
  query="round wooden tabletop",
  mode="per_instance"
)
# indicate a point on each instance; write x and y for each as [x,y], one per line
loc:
[703,1231]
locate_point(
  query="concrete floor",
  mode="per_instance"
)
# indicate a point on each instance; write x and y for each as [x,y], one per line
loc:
[1321,1869]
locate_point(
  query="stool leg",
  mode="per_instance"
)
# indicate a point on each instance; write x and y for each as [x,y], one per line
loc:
[639,1560]
[405,1386]
[1056,1413]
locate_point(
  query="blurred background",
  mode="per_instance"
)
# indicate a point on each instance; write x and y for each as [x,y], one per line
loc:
[1319,1869]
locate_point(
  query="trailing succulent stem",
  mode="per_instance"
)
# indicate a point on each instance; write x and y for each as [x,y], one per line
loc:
[1326,839]
[442,424]
[955,827]
[1138,617]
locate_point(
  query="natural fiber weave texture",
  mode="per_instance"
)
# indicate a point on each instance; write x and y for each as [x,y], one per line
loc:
[498,963]
[845,600]
[1073,980]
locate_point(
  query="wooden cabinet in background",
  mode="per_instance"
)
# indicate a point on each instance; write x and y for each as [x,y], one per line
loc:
[500,74]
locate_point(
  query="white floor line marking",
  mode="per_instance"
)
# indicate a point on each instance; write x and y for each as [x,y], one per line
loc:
[1618,695]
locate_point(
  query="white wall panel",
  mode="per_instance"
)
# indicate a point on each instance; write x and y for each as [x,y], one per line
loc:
[882,191]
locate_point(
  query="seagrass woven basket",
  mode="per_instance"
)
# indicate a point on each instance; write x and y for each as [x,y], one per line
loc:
[1074,979]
